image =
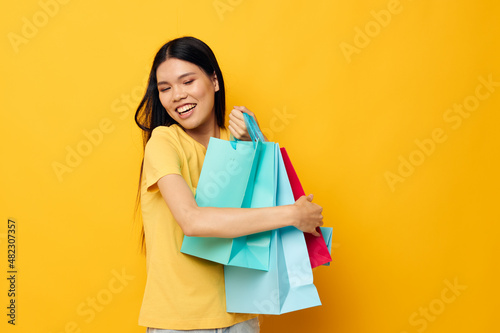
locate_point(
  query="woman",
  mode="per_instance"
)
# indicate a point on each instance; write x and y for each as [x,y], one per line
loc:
[183,107]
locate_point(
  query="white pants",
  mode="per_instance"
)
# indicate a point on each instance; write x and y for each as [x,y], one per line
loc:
[249,326]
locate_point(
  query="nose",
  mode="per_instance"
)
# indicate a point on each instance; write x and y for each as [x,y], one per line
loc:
[178,93]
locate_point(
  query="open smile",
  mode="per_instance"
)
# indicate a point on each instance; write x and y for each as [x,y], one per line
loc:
[185,108]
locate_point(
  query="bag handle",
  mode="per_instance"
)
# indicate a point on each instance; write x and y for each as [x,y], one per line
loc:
[253,130]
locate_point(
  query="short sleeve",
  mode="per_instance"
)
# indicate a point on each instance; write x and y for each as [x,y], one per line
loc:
[161,158]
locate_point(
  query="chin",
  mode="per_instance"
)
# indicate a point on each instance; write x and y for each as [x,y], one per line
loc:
[187,124]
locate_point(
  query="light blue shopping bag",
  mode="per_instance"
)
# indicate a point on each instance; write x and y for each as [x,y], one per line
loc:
[240,175]
[288,285]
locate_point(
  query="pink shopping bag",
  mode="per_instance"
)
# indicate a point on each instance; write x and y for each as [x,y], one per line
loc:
[316,246]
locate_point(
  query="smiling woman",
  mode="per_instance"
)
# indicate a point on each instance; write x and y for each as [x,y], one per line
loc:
[184,106]
[187,94]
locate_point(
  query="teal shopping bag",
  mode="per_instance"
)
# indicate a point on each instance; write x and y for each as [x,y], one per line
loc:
[327,233]
[288,284]
[240,175]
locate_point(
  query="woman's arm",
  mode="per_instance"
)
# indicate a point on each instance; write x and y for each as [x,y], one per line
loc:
[234,222]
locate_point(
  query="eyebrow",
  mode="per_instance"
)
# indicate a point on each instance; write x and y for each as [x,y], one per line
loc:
[179,78]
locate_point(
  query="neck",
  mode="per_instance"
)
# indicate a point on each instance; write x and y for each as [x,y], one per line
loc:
[202,134]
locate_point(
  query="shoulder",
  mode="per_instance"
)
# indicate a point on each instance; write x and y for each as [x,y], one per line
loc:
[171,131]
[164,137]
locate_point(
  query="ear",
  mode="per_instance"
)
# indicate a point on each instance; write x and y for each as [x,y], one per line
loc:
[215,82]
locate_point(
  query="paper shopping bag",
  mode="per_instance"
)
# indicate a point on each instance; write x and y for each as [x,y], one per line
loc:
[316,246]
[327,236]
[239,175]
[288,285]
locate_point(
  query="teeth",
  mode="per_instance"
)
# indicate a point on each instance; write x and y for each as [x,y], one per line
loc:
[185,108]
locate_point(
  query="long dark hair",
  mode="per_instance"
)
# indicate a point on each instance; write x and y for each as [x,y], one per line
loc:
[150,113]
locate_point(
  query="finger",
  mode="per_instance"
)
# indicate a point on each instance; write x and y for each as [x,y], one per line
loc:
[238,110]
[237,117]
[234,132]
[237,128]
[236,113]
[244,109]
[238,132]
[310,197]
[315,233]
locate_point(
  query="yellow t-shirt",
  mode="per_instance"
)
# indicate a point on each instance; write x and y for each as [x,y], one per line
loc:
[182,292]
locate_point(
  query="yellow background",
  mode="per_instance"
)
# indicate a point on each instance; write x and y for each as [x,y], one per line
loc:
[348,119]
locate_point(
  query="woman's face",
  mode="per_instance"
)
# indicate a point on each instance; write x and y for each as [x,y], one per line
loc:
[187,93]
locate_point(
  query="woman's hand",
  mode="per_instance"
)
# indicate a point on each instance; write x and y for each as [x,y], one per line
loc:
[309,216]
[237,125]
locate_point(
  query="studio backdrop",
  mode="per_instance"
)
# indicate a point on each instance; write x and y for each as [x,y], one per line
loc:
[389,110]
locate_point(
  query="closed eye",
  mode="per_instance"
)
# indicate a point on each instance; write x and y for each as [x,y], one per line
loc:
[164,89]
[189,82]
